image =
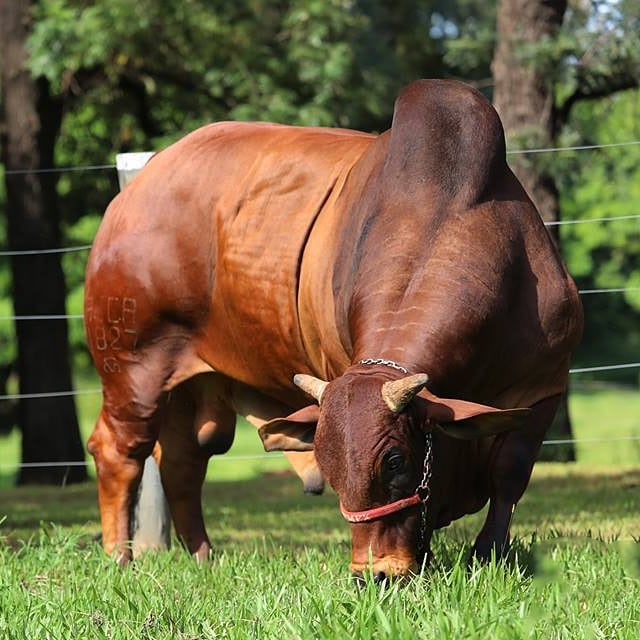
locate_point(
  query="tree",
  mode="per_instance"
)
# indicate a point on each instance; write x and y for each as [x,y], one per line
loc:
[141,74]
[30,123]
[540,73]
[524,97]
[605,256]
[523,91]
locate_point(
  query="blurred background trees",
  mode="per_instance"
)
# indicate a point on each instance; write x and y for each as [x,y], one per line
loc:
[116,76]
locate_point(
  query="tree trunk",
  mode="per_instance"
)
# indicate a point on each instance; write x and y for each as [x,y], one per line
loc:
[31,121]
[524,98]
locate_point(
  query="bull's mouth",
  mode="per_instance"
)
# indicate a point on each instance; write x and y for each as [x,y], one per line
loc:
[384,567]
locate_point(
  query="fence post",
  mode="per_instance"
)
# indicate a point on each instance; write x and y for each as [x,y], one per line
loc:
[151,523]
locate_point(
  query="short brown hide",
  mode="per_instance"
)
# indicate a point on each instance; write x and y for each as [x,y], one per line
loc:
[247,253]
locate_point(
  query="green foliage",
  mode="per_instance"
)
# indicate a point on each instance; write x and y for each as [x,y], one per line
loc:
[602,184]
[605,184]
[469,47]
[601,42]
[328,62]
[137,75]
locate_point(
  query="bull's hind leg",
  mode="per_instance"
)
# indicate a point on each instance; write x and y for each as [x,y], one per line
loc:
[509,472]
[198,423]
[120,444]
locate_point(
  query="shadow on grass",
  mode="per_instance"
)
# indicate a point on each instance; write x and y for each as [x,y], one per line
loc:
[233,510]
[579,504]
[596,500]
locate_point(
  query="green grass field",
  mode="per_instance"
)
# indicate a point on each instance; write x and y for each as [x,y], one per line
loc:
[280,566]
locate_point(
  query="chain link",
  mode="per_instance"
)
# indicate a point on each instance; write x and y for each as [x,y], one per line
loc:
[386,363]
[424,491]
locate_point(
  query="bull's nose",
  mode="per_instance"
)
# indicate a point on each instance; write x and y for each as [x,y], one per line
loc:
[385,568]
[379,577]
[358,580]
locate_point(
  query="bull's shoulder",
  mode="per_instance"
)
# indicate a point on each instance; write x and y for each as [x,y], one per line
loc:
[447,135]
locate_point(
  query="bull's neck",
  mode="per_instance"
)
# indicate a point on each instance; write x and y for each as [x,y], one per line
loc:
[390,298]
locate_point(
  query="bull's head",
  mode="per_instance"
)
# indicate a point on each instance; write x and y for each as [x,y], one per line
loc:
[368,434]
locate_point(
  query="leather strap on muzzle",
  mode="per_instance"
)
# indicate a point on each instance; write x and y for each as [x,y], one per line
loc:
[380,512]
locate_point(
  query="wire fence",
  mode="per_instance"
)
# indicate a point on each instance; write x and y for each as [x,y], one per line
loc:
[277,455]
[633,216]
[81,392]
[86,247]
[110,166]
[581,147]
[35,252]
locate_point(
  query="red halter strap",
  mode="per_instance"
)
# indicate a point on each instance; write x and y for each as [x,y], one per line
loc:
[380,512]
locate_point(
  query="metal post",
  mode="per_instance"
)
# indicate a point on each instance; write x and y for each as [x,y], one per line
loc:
[151,526]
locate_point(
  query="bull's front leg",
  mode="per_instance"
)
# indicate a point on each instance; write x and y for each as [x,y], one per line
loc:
[509,473]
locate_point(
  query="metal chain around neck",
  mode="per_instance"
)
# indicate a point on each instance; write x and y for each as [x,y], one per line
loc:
[424,491]
[386,363]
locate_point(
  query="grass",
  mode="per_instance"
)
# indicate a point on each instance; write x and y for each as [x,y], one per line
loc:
[610,415]
[280,569]
[280,565]
[270,592]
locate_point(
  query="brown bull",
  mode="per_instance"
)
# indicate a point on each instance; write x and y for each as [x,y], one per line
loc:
[395,267]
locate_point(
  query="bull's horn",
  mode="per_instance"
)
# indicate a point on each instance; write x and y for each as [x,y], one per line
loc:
[397,394]
[313,386]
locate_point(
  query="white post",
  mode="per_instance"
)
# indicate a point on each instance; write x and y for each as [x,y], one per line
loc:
[151,524]
[128,164]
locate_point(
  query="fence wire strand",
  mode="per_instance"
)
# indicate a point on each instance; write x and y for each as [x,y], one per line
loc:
[89,167]
[31,396]
[279,456]
[581,147]
[102,167]
[35,252]
[584,292]
[556,223]
[74,316]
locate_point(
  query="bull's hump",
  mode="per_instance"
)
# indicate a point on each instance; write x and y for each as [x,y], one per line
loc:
[446,137]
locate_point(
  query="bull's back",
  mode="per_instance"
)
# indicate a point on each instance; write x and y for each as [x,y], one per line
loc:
[205,244]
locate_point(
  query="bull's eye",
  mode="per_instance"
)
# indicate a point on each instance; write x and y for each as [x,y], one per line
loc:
[394,461]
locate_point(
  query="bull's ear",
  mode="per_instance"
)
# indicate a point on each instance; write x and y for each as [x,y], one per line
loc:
[468,420]
[293,433]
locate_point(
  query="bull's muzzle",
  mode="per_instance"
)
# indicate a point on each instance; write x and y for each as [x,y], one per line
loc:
[385,567]
[385,548]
